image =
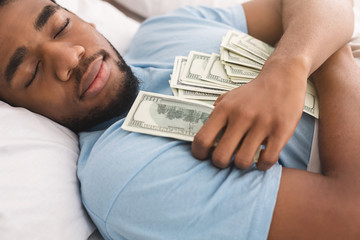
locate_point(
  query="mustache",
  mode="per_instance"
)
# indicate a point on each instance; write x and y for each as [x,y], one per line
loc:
[84,64]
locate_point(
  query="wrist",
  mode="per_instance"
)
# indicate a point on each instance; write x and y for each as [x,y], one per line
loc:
[289,72]
[299,65]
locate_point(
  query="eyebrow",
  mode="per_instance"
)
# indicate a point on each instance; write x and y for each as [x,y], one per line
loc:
[15,61]
[45,15]
[20,53]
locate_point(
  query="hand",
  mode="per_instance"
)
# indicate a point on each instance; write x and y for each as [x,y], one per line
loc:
[263,112]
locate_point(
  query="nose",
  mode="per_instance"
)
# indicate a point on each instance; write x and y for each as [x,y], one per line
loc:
[62,58]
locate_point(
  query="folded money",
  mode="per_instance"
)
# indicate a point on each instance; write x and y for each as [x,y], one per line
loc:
[197,81]
[204,77]
[166,116]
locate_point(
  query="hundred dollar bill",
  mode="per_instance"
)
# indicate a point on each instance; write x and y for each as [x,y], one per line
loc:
[195,65]
[240,80]
[227,44]
[238,71]
[166,116]
[179,65]
[179,62]
[215,73]
[311,101]
[187,94]
[175,92]
[209,102]
[253,45]
[231,57]
[193,71]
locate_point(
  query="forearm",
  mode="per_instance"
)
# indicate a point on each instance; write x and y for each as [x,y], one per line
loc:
[313,30]
[306,32]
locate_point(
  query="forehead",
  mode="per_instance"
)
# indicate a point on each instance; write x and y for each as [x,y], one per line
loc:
[20,14]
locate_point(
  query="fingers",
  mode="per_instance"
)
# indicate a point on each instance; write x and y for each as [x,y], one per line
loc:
[245,125]
[229,142]
[244,158]
[205,138]
[270,155]
[251,134]
[245,142]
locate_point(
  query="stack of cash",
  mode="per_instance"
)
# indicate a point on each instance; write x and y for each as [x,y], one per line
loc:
[204,77]
[197,81]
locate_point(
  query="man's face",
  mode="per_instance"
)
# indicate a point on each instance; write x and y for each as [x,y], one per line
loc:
[57,65]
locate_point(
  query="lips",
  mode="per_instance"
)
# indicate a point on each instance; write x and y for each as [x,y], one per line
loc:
[95,78]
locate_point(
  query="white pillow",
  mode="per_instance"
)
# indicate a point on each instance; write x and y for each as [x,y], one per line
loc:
[112,23]
[39,187]
[149,8]
[38,184]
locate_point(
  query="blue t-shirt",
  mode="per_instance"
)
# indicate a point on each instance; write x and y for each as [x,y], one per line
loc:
[137,186]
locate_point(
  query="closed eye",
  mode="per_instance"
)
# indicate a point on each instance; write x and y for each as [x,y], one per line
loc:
[64,26]
[33,76]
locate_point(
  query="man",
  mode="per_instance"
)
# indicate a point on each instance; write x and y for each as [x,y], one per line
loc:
[143,187]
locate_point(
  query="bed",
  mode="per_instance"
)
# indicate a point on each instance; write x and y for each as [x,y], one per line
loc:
[40,196]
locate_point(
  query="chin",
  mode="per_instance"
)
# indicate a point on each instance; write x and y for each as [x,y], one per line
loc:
[125,90]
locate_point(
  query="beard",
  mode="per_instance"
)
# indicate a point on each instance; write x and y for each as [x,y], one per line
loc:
[126,92]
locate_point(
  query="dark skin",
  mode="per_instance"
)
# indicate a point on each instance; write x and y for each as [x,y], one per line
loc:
[271,117]
[309,206]
[55,64]
[325,206]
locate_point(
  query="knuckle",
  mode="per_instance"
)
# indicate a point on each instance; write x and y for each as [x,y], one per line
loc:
[201,146]
[220,161]
[266,120]
[266,162]
[199,154]
[280,118]
[220,157]
[243,162]
[251,113]
[246,115]
[202,141]
[224,107]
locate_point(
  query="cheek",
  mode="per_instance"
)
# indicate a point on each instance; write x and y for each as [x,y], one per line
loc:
[50,102]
